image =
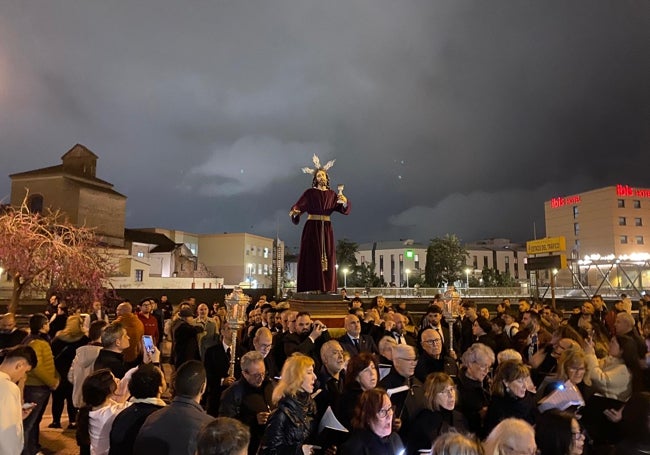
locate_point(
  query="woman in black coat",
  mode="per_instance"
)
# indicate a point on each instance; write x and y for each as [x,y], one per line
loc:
[510,395]
[292,423]
[439,415]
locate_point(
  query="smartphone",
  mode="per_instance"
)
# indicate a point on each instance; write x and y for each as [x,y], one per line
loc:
[147,342]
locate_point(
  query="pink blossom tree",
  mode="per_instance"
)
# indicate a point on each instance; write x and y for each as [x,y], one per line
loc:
[47,253]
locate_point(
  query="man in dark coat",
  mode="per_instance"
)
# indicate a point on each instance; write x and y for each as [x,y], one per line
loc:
[249,398]
[217,365]
[354,342]
[317,260]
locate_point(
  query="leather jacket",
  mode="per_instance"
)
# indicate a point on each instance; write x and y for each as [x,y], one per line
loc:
[289,426]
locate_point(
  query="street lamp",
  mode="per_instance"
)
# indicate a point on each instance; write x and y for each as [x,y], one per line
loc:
[467,270]
[345,278]
[407,271]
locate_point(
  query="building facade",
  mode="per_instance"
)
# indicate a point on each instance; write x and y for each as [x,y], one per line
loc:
[607,233]
[73,188]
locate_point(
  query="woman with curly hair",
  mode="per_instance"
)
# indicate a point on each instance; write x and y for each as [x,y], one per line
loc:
[361,374]
[292,423]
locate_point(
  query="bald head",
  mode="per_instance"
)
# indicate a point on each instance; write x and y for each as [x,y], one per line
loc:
[624,323]
[123,308]
[263,341]
[352,325]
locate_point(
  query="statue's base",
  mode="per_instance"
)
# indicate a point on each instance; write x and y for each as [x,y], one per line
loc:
[330,309]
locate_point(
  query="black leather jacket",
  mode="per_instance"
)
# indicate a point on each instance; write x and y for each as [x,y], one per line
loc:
[289,426]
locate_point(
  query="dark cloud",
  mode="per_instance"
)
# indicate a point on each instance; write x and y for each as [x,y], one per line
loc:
[446,116]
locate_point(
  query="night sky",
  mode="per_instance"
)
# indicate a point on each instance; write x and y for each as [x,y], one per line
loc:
[443,116]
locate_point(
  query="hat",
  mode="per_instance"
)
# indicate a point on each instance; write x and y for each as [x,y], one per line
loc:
[484,324]
[186,313]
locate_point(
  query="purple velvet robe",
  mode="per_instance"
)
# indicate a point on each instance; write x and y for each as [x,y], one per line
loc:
[311,277]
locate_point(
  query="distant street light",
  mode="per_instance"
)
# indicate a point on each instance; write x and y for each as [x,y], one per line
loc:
[467,277]
[345,277]
[407,271]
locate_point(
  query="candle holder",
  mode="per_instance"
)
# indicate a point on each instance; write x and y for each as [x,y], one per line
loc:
[450,311]
[236,304]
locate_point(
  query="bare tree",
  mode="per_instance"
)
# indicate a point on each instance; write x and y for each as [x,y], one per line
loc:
[47,253]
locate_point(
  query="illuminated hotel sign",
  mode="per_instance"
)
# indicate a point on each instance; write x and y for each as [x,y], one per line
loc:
[625,190]
[562,201]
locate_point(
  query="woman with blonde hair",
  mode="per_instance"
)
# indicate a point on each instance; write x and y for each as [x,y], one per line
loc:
[292,423]
[64,348]
[511,436]
[438,416]
[571,366]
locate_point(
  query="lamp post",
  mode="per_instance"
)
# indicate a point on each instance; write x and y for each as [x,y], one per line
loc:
[407,271]
[345,278]
[467,278]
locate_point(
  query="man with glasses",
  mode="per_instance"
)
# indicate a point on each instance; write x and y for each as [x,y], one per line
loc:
[405,390]
[263,343]
[249,398]
[432,359]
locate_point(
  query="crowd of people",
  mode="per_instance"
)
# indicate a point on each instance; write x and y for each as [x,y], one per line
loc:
[525,380]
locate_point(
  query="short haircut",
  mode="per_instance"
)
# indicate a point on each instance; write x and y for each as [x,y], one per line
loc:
[303,313]
[145,382]
[98,386]
[509,354]
[36,322]
[357,364]
[327,346]
[505,432]
[468,304]
[365,413]
[476,353]
[249,358]
[223,436]
[96,328]
[452,443]
[534,315]
[112,333]
[189,379]
[21,351]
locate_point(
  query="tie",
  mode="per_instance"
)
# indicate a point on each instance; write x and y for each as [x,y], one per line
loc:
[440,333]
[356,343]
[228,353]
[399,339]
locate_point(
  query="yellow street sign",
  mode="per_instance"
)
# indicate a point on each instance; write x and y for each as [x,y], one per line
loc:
[546,245]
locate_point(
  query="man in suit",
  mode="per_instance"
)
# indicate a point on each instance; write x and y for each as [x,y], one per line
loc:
[353,341]
[217,365]
[433,320]
[308,338]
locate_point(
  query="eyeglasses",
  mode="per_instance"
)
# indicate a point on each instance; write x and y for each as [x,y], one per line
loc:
[383,413]
[432,342]
[482,366]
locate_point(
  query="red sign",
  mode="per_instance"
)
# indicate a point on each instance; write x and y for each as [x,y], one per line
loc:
[626,190]
[557,202]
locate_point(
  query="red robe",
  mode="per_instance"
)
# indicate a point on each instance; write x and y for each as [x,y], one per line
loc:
[311,277]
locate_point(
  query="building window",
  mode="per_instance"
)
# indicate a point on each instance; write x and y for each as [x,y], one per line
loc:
[35,203]
[577,244]
[507,265]
[575,211]
[623,239]
[266,252]
[381,264]
[622,221]
[475,262]
[485,262]
[637,204]
[639,239]
[416,262]
[576,229]
[140,254]
[638,222]
[621,203]
[139,275]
